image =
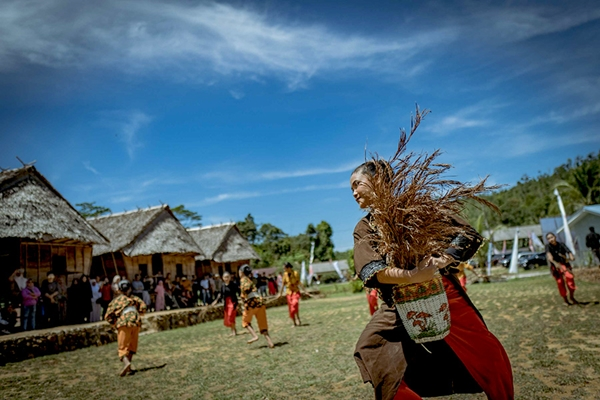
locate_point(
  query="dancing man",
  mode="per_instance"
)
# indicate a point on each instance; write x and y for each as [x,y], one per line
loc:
[559,255]
[291,281]
[124,313]
[253,306]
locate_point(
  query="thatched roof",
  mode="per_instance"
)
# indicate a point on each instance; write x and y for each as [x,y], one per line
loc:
[144,232]
[30,208]
[223,243]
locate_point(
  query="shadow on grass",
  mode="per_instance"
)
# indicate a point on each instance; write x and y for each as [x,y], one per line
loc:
[278,344]
[135,371]
[588,303]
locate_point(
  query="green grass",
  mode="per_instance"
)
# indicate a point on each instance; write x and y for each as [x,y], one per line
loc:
[555,352]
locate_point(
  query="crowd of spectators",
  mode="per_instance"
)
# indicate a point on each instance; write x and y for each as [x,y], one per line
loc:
[86,300]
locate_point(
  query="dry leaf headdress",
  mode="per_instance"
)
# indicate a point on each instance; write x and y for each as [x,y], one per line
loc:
[414,208]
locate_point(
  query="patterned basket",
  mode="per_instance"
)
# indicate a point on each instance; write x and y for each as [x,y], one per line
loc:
[423,309]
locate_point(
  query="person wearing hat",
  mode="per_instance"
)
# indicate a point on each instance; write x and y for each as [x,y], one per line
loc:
[124,313]
[291,281]
[253,306]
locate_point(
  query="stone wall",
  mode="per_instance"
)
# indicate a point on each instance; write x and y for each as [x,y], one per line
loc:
[24,345]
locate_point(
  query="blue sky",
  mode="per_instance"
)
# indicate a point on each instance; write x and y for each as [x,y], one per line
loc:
[265,107]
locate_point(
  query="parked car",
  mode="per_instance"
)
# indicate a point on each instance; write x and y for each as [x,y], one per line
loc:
[498,258]
[505,260]
[532,260]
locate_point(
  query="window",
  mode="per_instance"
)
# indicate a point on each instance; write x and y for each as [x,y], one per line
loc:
[179,270]
[143,270]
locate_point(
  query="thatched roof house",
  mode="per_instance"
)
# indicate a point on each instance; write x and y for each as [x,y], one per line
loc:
[225,249]
[147,240]
[41,231]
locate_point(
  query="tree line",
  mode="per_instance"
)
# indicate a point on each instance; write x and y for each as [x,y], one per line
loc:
[578,182]
[275,247]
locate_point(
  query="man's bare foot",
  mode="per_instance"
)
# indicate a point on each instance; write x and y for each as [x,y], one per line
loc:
[269,342]
[254,339]
[126,367]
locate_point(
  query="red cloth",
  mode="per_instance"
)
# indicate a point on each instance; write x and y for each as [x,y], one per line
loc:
[404,393]
[372,299]
[463,282]
[479,350]
[293,300]
[229,312]
[272,288]
[565,276]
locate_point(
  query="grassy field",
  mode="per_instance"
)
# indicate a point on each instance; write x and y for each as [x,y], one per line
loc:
[554,349]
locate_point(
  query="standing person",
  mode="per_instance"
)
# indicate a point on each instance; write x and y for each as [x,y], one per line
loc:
[61,299]
[31,295]
[469,359]
[160,296]
[228,294]
[18,283]
[106,291]
[205,289]
[74,300]
[147,282]
[124,314]
[291,281]
[253,306]
[592,241]
[50,303]
[559,255]
[115,286]
[261,283]
[138,286]
[96,300]
[218,283]
[272,285]
[86,299]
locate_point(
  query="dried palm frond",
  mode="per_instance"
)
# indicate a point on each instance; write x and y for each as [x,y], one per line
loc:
[414,207]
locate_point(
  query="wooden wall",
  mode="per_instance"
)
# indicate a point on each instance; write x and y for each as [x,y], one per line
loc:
[38,259]
[213,267]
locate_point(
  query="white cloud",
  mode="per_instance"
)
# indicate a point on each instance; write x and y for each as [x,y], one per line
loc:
[130,128]
[243,176]
[88,166]
[246,195]
[524,143]
[194,41]
[237,94]
[473,116]
[272,175]
[511,23]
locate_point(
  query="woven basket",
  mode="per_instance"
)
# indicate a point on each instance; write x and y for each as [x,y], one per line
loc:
[423,309]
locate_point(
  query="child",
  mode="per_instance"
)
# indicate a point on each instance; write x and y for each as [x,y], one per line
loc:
[124,313]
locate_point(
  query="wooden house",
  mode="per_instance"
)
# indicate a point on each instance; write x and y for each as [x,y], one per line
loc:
[225,249]
[40,231]
[147,241]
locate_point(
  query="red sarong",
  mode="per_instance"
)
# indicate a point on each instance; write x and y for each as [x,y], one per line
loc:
[479,350]
[562,277]
[372,299]
[229,313]
[293,300]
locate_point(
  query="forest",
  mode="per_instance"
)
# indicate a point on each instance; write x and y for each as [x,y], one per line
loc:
[578,182]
